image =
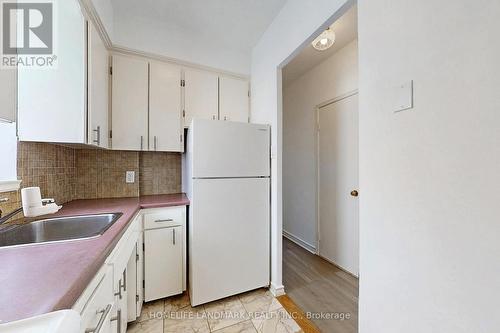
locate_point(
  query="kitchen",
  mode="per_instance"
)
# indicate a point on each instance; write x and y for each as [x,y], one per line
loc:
[129,193]
[147,166]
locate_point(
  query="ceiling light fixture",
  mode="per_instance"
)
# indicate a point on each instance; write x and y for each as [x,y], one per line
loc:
[325,40]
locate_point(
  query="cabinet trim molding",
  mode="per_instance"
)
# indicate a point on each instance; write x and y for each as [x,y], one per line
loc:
[133,52]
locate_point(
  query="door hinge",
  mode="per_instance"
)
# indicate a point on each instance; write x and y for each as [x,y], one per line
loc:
[110,70]
[144,283]
[183,83]
[137,257]
[183,113]
[137,298]
[181,137]
[249,93]
[111,134]
[144,246]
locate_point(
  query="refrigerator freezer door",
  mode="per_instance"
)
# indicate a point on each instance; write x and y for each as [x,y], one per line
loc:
[229,149]
[229,234]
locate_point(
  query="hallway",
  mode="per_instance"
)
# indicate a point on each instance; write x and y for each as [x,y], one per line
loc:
[319,287]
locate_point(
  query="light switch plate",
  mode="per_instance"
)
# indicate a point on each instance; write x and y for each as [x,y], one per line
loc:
[130,177]
[403,96]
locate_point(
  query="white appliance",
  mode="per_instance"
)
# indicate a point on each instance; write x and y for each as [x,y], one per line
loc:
[228,170]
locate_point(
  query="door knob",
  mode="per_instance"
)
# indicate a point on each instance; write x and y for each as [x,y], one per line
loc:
[354,193]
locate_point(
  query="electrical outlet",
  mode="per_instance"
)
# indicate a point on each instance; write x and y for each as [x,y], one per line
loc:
[130,177]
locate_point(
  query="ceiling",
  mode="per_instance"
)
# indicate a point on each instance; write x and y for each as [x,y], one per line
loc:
[346,30]
[235,24]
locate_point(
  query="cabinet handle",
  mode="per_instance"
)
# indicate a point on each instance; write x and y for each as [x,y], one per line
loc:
[124,286]
[166,220]
[142,141]
[225,118]
[98,135]
[173,233]
[213,117]
[120,286]
[104,313]
[155,143]
[118,319]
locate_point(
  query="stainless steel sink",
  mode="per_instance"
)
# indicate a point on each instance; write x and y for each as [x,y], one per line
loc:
[57,229]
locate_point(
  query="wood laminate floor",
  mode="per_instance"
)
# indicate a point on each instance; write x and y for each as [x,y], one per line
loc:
[317,286]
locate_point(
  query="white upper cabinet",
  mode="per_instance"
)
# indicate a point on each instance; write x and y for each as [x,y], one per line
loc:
[98,82]
[165,108]
[52,101]
[130,103]
[200,95]
[233,99]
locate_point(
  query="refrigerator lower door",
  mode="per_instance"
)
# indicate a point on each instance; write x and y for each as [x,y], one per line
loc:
[229,237]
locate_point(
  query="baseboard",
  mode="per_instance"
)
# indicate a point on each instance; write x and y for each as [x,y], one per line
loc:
[303,244]
[277,290]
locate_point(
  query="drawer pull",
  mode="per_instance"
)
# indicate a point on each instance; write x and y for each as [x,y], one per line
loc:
[118,319]
[104,313]
[166,220]
[173,236]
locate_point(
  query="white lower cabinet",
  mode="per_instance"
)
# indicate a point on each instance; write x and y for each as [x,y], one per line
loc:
[165,252]
[145,265]
[163,262]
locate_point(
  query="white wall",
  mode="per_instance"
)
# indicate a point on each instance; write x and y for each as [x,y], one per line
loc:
[298,21]
[151,36]
[430,177]
[333,77]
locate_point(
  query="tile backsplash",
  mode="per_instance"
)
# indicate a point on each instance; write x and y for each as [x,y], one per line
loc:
[66,173]
[101,174]
[50,167]
[155,178]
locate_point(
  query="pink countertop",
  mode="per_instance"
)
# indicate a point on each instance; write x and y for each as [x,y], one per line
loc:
[42,278]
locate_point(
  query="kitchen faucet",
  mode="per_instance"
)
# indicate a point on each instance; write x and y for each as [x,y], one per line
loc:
[5,218]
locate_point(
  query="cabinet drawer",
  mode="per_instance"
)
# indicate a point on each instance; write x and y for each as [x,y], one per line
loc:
[97,313]
[164,217]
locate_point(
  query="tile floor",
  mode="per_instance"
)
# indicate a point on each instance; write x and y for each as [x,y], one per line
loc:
[253,312]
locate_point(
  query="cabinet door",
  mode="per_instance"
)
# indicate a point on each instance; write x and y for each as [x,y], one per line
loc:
[163,262]
[129,115]
[98,82]
[100,307]
[200,95]
[165,121]
[140,276]
[233,99]
[52,101]
[132,286]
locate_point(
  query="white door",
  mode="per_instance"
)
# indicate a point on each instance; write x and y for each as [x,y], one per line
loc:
[98,82]
[228,238]
[338,177]
[165,121]
[229,149]
[201,95]
[233,99]
[129,115]
[163,262]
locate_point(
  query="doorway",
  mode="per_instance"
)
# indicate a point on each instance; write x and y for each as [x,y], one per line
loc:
[320,178]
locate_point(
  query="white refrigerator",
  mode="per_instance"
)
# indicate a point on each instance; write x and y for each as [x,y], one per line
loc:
[227,182]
